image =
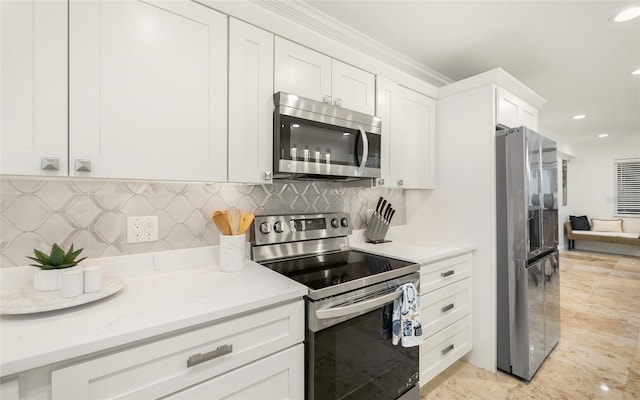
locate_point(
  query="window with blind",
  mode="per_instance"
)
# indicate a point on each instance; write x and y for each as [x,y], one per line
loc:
[627,200]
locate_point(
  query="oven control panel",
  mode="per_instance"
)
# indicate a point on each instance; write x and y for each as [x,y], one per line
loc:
[271,229]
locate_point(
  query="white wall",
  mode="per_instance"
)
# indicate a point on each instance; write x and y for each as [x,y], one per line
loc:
[462,207]
[591,184]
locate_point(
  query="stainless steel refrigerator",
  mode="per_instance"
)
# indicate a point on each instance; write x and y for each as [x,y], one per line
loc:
[528,284]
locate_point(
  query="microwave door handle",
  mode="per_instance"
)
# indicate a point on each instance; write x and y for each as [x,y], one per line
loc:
[365,150]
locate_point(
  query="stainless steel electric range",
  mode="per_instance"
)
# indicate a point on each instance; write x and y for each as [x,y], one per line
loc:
[348,349]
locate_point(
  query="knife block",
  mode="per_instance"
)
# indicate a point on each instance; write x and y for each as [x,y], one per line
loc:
[376,229]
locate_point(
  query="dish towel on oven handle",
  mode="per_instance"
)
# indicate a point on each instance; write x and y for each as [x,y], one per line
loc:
[406,327]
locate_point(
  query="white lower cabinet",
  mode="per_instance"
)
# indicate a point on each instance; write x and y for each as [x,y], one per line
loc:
[280,376]
[445,311]
[259,352]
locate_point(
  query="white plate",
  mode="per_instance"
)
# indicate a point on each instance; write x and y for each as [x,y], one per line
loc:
[28,300]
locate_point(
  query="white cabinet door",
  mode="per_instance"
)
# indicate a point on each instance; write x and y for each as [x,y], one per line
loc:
[408,137]
[302,71]
[512,112]
[33,87]
[506,108]
[277,377]
[10,389]
[416,159]
[147,89]
[528,116]
[386,94]
[250,103]
[307,73]
[352,88]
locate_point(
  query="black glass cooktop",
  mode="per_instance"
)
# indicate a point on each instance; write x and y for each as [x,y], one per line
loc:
[327,270]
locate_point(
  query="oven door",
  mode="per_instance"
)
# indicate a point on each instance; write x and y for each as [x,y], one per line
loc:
[349,352]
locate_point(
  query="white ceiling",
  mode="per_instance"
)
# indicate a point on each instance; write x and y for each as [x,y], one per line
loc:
[566,51]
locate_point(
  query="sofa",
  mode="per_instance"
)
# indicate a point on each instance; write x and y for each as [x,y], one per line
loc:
[608,231]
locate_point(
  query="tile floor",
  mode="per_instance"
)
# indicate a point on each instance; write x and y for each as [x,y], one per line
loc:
[598,356]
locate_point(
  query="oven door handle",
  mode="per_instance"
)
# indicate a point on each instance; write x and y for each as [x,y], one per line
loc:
[358,307]
[365,150]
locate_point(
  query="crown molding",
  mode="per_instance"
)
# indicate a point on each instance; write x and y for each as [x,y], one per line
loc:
[321,23]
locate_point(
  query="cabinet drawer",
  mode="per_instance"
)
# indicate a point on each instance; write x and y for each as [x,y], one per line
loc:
[440,308]
[436,275]
[159,368]
[280,376]
[444,348]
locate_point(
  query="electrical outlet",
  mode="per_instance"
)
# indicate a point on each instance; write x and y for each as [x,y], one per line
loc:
[142,229]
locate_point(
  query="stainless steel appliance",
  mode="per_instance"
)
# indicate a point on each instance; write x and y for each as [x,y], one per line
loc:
[348,349]
[312,139]
[528,266]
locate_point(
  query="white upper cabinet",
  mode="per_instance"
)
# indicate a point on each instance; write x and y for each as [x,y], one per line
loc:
[307,73]
[512,112]
[302,71]
[352,88]
[408,137]
[33,85]
[147,90]
[250,103]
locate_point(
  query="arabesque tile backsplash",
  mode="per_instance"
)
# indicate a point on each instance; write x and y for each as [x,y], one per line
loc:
[93,214]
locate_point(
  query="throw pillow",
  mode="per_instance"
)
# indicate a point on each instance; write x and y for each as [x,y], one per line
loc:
[606,225]
[580,223]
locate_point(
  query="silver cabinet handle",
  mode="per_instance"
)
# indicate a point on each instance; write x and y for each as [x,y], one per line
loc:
[447,349]
[327,99]
[83,165]
[338,102]
[50,163]
[200,358]
[446,308]
[448,273]
[400,182]
[380,181]
[365,150]
[267,175]
[358,307]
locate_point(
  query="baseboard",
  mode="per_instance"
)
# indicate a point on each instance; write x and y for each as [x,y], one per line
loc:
[613,248]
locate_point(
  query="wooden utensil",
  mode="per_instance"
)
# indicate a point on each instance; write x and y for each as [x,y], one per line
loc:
[233,214]
[245,221]
[220,219]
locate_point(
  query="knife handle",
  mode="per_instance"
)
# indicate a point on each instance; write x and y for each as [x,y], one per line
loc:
[391,216]
[378,206]
[387,212]
[384,202]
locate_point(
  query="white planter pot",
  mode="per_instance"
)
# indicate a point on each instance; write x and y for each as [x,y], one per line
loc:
[46,280]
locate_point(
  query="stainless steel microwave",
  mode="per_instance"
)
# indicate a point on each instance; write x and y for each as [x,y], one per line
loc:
[317,140]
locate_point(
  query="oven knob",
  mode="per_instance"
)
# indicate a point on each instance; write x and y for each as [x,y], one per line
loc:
[265,227]
[277,227]
[344,222]
[335,223]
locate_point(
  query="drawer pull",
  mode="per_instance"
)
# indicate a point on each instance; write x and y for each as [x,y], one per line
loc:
[448,273]
[446,308]
[200,358]
[447,349]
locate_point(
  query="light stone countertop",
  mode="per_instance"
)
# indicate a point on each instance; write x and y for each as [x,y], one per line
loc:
[163,292]
[404,245]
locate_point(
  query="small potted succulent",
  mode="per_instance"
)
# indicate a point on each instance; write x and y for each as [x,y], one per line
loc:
[50,267]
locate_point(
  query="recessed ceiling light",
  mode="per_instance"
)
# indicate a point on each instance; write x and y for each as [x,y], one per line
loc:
[295,125]
[636,72]
[627,14]
[579,116]
[603,135]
